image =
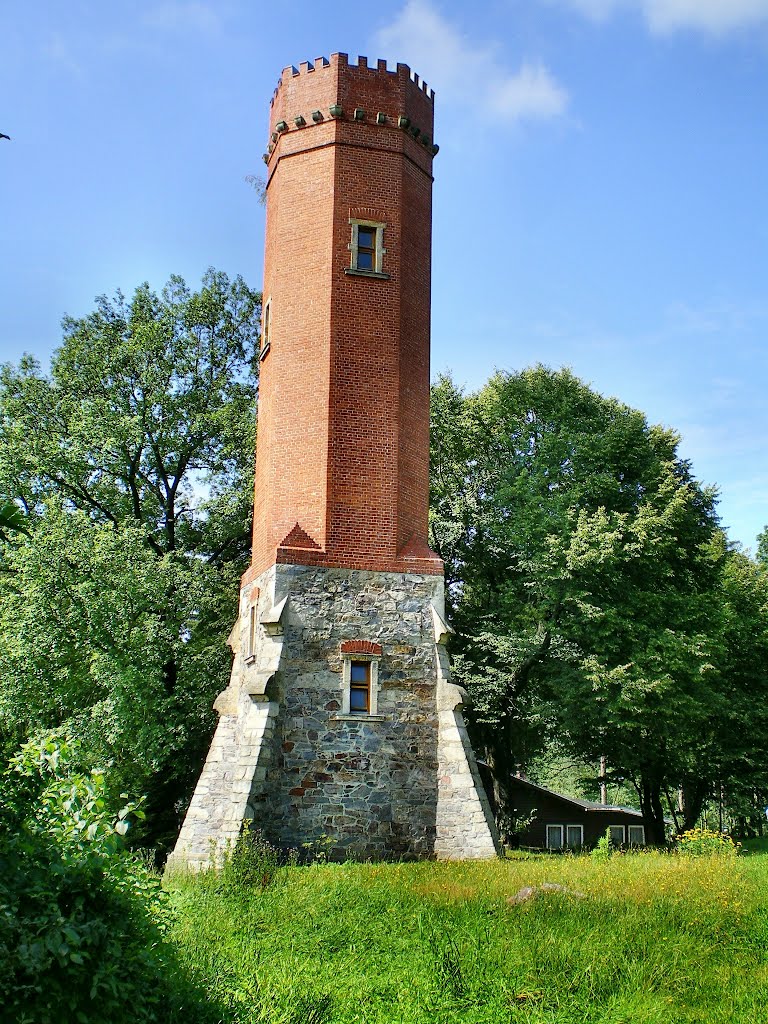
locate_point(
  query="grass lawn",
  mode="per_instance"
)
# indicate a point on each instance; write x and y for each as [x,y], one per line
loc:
[655,939]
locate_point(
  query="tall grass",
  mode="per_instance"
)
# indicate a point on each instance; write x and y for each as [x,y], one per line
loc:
[655,939]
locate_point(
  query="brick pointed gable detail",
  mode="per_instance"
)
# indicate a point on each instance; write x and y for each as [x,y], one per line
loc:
[299,538]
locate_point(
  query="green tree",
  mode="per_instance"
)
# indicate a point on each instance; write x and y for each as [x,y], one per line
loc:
[132,461]
[762,547]
[580,575]
[740,740]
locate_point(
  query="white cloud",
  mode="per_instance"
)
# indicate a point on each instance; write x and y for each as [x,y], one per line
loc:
[427,41]
[465,72]
[183,15]
[723,318]
[532,92]
[715,17]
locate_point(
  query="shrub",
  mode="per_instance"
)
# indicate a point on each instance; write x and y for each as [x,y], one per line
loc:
[511,824]
[252,862]
[603,849]
[704,842]
[82,920]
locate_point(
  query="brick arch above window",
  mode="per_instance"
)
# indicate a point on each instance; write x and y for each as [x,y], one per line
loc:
[361,647]
[368,213]
[360,679]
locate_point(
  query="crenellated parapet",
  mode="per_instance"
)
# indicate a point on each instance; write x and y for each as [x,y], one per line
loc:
[341,60]
[325,93]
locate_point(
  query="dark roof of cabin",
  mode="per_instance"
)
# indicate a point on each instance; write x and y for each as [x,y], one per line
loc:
[585,805]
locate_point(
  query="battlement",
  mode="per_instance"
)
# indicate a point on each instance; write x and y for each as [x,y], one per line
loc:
[339,90]
[341,60]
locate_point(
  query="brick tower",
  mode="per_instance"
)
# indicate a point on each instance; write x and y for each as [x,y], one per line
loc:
[340,723]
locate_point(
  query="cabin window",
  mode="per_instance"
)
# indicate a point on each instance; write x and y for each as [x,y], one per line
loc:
[360,676]
[554,837]
[570,837]
[636,835]
[367,247]
[574,837]
[617,835]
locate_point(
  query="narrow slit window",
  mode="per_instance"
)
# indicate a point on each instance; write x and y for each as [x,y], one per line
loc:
[266,327]
[360,686]
[252,630]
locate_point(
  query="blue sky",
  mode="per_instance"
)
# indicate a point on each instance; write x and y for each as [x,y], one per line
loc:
[600,191]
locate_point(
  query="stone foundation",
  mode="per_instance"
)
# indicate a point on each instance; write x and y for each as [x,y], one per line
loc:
[400,782]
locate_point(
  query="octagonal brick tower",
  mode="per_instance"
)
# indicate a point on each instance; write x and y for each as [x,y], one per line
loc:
[340,725]
[343,456]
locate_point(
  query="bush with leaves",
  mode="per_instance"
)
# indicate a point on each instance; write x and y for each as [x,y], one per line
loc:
[251,863]
[705,842]
[82,920]
[603,849]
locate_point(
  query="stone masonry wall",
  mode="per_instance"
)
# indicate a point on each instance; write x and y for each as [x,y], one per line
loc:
[395,784]
[368,783]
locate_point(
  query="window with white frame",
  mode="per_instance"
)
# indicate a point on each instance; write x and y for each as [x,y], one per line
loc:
[360,685]
[636,835]
[565,837]
[554,837]
[574,837]
[617,835]
[367,247]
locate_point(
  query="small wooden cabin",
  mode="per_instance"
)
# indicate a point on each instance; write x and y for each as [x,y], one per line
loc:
[566,822]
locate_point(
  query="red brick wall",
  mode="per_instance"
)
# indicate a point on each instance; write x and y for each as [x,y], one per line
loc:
[343,433]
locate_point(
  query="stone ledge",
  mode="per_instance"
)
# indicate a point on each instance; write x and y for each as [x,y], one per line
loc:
[360,718]
[354,272]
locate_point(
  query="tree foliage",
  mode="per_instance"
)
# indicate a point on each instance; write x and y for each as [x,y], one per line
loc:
[585,576]
[132,462]
[738,738]
[82,922]
[762,547]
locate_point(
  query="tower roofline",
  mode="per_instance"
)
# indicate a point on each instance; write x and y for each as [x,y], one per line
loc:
[341,60]
[325,91]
